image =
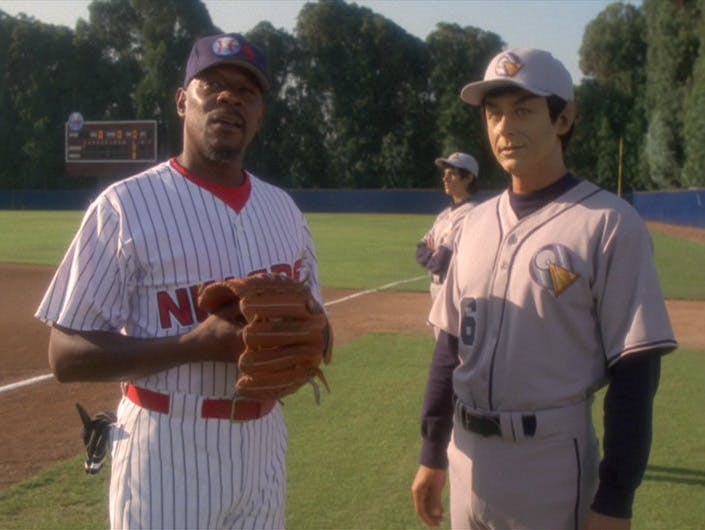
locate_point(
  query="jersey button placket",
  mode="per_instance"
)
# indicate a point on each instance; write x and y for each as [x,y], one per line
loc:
[507,252]
[498,302]
[241,250]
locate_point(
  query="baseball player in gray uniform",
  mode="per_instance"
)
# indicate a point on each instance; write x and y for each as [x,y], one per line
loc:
[122,307]
[552,294]
[460,182]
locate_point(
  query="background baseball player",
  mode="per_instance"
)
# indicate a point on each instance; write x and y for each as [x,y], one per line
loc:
[433,252]
[123,308]
[551,294]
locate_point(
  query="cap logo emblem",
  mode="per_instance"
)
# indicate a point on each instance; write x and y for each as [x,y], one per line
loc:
[226,46]
[508,65]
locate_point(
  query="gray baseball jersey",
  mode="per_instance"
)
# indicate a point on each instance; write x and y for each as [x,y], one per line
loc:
[443,233]
[144,248]
[543,305]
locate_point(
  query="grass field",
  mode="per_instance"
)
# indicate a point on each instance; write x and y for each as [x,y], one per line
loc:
[353,458]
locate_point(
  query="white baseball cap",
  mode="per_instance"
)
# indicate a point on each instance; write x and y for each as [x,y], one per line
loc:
[460,161]
[536,71]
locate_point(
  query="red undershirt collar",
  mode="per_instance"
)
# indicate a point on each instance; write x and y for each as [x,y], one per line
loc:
[234,196]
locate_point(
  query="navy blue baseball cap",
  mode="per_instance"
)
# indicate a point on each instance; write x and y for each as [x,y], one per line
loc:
[227,48]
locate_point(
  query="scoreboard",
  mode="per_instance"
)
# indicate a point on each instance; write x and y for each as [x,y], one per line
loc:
[109,149]
[111,142]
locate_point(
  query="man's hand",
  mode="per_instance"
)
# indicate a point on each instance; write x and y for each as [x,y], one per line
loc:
[426,490]
[598,521]
[217,338]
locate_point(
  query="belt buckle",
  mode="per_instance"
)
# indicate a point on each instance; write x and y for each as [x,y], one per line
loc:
[488,425]
[233,406]
[483,424]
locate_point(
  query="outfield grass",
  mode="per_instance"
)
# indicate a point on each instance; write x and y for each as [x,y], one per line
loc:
[352,459]
[681,268]
[363,251]
[36,237]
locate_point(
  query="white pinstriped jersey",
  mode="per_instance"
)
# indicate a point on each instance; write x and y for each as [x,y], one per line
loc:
[148,242]
[145,246]
[544,304]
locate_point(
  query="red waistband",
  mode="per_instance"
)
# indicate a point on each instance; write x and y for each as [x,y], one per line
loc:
[223,409]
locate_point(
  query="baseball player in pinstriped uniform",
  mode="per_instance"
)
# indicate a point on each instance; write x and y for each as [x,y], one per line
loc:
[123,308]
[433,252]
[552,293]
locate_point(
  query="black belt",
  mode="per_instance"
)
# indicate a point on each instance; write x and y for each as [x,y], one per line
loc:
[489,424]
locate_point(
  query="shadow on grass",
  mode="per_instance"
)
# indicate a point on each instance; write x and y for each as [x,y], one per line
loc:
[676,475]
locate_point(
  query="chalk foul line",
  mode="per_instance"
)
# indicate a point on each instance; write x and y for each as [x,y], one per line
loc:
[44,377]
[26,382]
[374,290]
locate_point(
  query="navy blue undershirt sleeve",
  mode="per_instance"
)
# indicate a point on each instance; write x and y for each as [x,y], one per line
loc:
[423,253]
[628,413]
[440,260]
[437,411]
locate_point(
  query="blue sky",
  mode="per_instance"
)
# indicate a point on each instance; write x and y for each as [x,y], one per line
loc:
[554,25]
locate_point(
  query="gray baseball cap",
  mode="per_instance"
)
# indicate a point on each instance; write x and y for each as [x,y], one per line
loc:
[536,71]
[460,161]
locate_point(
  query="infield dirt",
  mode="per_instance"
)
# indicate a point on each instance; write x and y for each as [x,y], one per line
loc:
[41,423]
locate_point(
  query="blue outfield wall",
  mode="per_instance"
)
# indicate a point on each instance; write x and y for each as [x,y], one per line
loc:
[372,201]
[685,208]
[46,200]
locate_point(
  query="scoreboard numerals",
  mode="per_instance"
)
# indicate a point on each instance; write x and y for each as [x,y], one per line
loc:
[111,142]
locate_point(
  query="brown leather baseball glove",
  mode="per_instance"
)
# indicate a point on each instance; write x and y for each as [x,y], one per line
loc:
[286,333]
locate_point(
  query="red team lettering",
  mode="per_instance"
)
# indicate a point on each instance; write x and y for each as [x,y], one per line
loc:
[183,306]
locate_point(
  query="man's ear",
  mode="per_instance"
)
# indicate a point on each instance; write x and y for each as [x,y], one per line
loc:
[180,102]
[566,119]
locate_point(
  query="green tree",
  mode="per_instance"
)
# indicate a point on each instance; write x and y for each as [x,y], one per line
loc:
[289,148]
[9,140]
[370,79]
[168,29]
[610,100]
[613,50]
[111,40]
[673,41]
[606,116]
[36,100]
[694,125]
[459,56]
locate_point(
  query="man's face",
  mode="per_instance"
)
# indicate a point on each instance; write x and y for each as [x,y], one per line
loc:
[222,108]
[522,137]
[453,183]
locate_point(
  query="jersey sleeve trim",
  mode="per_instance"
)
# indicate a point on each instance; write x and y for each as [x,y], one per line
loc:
[662,347]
